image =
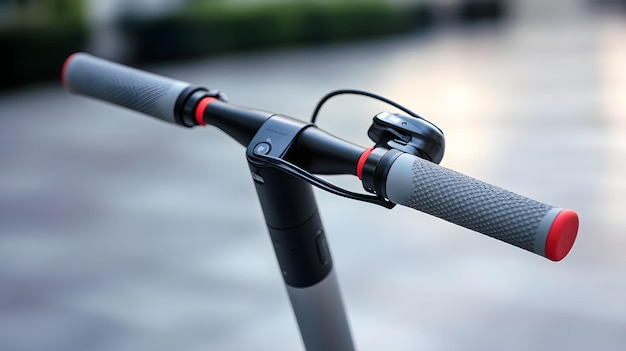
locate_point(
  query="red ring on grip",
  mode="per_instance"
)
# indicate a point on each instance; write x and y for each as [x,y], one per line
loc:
[561,235]
[202,105]
[361,163]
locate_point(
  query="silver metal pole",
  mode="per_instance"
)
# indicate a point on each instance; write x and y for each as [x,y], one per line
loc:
[321,315]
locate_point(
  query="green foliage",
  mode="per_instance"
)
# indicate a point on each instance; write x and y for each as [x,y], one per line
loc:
[44,13]
[38,38]
[41,34]
[215,27]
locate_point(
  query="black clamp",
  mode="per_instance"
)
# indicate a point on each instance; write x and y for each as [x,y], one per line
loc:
[187,102]
[270,148]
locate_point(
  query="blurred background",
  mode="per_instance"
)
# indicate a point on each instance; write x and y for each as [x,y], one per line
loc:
[120,232]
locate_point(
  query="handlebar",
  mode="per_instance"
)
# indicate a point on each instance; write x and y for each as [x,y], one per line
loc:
[399,177]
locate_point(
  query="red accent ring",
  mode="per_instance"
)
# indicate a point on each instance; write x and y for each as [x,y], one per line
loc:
[202,105]
[64,69]
[561,235]
[361,163]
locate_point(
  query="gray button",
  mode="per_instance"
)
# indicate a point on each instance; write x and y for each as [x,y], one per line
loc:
[262,148]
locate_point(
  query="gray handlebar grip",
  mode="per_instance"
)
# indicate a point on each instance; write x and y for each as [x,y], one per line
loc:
[145,92]
[531,225]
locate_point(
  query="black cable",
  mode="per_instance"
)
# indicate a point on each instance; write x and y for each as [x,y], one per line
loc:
[362,93]
[305,175]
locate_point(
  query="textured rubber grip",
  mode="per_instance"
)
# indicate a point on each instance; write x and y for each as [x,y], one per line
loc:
[145,92]
[531,225]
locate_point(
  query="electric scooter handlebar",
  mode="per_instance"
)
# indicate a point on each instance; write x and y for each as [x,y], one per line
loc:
[403,179]
[531,225]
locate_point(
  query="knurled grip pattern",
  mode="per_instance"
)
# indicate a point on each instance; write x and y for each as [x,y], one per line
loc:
[466,201]
[138,90]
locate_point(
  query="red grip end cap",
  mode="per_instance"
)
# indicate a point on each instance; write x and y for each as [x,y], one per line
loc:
[562,235]
[65,64]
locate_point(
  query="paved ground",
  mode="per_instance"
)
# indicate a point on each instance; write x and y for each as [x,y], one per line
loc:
[118,232]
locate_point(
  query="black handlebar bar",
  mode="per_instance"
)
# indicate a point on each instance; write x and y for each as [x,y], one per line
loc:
[399,177]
